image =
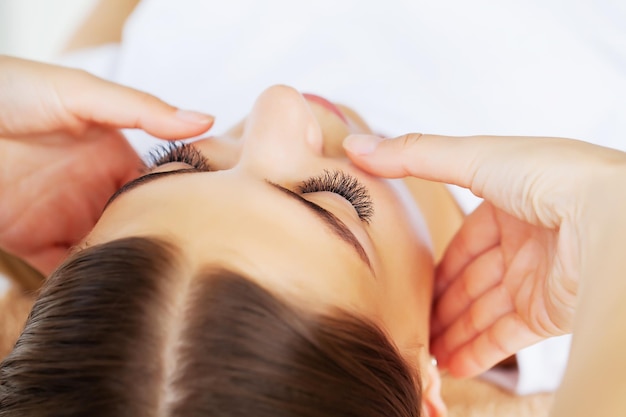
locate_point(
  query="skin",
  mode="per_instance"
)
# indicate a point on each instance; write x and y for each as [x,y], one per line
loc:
[211,217]
[61,152]
[544,255]
[510,276]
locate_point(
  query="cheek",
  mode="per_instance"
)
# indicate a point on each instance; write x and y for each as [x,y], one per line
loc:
[408,295]
[402,218]
[407,300]
[404,249]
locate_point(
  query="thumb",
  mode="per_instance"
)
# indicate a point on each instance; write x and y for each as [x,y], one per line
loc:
[446,159]
[511,172]
[92,99]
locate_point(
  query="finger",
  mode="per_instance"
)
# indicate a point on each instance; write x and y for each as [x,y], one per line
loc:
[483,313]
[504,338]
[92,99]
[453,160]
[47,260]
[475,281]
[505,170]
[478,234]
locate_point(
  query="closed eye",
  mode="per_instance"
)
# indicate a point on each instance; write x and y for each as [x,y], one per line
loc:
[338,182]
[346,186]
[178,152]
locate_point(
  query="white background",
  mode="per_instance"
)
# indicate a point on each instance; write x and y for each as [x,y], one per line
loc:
[38,29]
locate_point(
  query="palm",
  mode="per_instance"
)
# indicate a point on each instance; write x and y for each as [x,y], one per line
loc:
[498,291]
[53,189]
[531,261]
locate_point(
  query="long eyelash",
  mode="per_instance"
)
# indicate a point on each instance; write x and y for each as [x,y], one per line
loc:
[178,152]
[346,186]
[337,182]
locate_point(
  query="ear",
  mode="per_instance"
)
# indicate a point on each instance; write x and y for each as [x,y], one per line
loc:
[432,403]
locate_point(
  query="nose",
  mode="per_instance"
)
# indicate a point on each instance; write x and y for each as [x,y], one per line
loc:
[280,134]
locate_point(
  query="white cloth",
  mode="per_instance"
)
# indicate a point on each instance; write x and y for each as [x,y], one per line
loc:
[442,66]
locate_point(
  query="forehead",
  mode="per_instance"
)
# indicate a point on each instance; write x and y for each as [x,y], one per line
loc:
[219,218]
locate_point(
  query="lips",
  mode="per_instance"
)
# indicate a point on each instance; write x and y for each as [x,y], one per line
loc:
[326,104]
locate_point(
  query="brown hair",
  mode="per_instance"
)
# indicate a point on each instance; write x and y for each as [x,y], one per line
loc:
[111,336]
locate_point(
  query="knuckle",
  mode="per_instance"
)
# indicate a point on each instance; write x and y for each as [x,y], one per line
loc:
[82,76]
[410,139]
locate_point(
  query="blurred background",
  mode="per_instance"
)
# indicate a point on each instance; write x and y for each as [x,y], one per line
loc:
[39,29]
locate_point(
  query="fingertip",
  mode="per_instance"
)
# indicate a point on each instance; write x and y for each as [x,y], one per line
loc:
[444,278]
[435,327]
[194,117]
[460,368]
[370,153]
[437,350]
[361,144]
[441,280]
[179,124]
[195,123]
[455,362]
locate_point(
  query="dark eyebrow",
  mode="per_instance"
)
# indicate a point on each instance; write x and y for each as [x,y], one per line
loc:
[144,179]
[338,227]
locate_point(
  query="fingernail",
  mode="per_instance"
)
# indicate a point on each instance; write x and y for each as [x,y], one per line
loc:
[194,117]
[361,144]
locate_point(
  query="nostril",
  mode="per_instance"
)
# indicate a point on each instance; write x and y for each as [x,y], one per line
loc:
[315,139]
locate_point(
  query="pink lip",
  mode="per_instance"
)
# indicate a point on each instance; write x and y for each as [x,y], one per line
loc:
[326,104]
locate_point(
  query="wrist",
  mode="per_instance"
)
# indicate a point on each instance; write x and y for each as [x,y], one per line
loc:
[602,199]
[599,340]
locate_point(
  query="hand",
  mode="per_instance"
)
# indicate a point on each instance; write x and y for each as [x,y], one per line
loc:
[61,156]
[509,278]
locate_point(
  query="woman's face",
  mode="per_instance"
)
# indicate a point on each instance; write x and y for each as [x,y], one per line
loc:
[273,203]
